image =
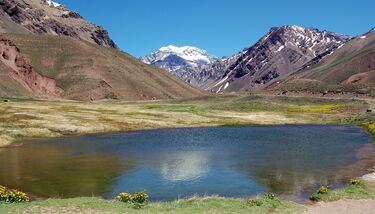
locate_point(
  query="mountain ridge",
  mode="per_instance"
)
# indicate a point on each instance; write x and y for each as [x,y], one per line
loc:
[45,17]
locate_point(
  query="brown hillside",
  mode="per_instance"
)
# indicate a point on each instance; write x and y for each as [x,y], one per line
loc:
[64,67]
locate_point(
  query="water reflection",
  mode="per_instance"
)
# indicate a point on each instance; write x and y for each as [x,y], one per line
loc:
[185,166]
[47,170]
[173,163]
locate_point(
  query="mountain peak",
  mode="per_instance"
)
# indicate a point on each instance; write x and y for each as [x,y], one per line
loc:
[181,61]
[188,53]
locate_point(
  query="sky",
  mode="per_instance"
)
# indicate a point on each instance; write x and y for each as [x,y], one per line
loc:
[222,27]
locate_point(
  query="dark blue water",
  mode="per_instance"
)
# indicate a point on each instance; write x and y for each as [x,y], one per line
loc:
[175,163]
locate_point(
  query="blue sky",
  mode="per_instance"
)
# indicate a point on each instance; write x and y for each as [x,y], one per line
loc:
[222,27]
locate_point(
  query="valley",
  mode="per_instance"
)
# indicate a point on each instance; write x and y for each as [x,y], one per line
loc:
[81,120]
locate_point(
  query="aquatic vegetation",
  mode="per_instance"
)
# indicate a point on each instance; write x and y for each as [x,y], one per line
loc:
[12,196]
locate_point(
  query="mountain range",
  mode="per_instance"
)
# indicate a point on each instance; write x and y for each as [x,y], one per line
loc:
[277,55]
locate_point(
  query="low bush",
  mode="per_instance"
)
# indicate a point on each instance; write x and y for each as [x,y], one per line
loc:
[254,203]
[136,201]
[355,182]
[12,196]
[270,195]
[323,190]
[317,195]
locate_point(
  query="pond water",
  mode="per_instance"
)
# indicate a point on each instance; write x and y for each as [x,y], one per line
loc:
[168,164]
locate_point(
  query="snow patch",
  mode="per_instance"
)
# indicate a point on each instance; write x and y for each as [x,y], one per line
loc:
[362,37]
[298,28]
[53,4]
[219,89]
[280,48]
[226,85]
[221,81]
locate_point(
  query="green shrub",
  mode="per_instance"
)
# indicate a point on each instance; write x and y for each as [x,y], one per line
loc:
[270,195]
[140,197]
[124,197]
[12,196]
[323,190]
[253,203]
[136,201]
[315,197]
[355,182]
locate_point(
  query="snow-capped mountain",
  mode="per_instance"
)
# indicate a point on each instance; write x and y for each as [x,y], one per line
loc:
[184,62]
[281,51]
[188,53]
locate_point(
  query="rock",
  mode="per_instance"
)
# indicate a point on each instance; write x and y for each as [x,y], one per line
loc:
[38,20]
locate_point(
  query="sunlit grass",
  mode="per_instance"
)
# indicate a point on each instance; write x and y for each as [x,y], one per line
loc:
[26,119]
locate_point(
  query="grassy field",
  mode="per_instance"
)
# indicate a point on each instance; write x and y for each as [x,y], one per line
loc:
[28,119]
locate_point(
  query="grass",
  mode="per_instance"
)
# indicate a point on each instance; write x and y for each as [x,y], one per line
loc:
[22,119]
[365,190]
[193,205]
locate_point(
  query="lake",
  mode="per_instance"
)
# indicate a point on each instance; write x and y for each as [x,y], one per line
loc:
[291,160]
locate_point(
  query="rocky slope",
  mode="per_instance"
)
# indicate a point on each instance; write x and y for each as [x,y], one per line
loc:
[184,62]
[43,17]
[350,68]
[283,50]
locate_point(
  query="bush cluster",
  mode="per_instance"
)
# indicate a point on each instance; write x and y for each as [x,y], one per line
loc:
[137,200]
[270,195]
[317,195]
[258,202]
[355,182]
[255,202]
[12,196]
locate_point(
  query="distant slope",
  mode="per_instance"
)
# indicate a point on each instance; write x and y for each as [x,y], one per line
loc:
[46,17]
[281,51]
[353,63]
[67,68]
